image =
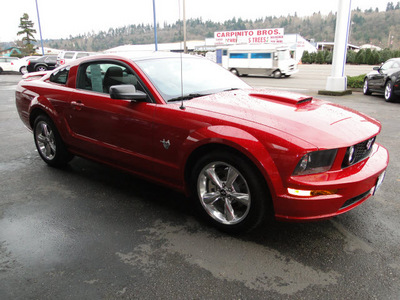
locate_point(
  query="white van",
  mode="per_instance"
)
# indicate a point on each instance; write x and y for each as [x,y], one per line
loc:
[266,59]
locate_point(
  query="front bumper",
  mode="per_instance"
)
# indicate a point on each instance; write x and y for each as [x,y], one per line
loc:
[353,186]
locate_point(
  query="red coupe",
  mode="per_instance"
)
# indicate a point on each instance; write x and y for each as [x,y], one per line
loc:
[187,123]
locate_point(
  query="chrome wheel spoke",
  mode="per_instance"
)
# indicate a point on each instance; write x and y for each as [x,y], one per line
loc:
[210,198]
[241,198]
[231,177]
[229,212]
[212,175]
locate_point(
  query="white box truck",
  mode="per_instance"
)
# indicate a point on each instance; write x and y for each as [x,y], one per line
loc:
[266,59]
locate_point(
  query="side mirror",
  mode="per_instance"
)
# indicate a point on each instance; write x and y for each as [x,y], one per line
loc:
[126,92]
[376,68]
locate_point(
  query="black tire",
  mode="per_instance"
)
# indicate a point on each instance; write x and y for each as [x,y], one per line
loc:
[49,144]
[277,74]
[40,68]
[389,95]
[235,203]
[235,72]
[366,90]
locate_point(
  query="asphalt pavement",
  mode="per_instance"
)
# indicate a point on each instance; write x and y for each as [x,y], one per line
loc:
[92,232]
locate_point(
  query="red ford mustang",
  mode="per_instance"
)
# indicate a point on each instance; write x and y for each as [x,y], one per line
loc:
[187,123]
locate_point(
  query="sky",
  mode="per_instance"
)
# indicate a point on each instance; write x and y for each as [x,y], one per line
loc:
[60,19]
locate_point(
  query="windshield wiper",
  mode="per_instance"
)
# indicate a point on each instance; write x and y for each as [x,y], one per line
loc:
[232,89]
[186,97]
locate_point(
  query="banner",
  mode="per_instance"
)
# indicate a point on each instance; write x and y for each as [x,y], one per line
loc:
[255,36]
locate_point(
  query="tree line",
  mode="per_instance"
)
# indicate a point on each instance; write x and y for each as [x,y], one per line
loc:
[363,56]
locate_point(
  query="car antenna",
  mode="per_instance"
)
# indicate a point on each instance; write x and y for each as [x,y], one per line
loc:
[182,107]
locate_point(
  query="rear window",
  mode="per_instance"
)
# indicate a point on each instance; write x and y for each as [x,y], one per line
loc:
[60,76]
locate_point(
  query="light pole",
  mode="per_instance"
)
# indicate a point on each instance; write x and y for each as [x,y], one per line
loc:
[40,28]
[155,25]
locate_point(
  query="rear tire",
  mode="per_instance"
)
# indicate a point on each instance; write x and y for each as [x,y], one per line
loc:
[40,68]
[235,72]
[366,90]
[229,192]
[49,144]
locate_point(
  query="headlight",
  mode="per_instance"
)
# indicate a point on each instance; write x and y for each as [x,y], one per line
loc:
[315,162]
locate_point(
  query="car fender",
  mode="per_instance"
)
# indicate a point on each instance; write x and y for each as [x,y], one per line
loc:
[237,139]
[40,104]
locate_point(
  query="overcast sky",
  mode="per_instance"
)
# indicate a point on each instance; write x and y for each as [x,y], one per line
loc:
[60,19]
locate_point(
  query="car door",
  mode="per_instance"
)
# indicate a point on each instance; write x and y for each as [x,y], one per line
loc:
[118,132]
[377,81]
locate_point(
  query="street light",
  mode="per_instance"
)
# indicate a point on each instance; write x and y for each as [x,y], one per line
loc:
[40,28]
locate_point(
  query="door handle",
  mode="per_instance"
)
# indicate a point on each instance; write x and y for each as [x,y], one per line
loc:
[77,105]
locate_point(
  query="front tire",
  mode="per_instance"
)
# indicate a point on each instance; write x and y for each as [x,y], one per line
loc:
[389,96]
[366,90]
[229,192]
[277,74]
[49,144]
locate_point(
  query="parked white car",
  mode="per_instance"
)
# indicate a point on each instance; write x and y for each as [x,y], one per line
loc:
[6,63]
[21,64]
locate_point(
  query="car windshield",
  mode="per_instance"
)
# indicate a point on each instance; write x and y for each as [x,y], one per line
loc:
[200,77]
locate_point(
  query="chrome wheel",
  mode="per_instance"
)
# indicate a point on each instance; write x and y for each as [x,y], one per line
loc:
[388,91]
[45,140]
[224,193]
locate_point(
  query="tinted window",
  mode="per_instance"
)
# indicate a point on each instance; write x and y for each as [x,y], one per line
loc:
[238,55]
[60,76]
[260,55]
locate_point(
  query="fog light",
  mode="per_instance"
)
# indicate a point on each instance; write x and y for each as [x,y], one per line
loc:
[309,193]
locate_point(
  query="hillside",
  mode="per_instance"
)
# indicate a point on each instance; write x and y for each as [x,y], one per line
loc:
[370,26]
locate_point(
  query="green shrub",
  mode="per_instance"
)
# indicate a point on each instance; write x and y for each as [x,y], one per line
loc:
[355,81]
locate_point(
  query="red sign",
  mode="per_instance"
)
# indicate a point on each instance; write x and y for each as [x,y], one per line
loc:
[255,36]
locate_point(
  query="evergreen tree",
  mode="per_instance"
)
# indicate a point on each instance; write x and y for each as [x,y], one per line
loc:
[27,30]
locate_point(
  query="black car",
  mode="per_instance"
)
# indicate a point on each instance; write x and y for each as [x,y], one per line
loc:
[43,63]
[384,80]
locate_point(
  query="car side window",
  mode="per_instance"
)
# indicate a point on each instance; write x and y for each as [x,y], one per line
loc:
[60,76]
[99,77]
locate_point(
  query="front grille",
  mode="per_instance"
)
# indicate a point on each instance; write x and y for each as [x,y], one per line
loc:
[355,199]
[361,151]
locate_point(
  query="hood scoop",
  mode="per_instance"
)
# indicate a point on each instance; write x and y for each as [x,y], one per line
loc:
[283,97]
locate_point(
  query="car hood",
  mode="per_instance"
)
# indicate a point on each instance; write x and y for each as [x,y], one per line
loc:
[324,124]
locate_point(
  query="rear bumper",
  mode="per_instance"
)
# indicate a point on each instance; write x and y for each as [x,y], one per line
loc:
[353,186]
